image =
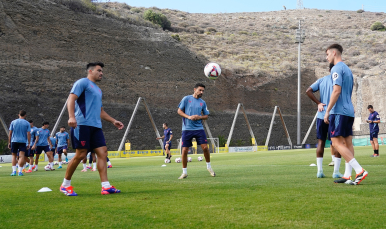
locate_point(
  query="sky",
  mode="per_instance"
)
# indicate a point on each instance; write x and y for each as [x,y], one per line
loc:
[232,6]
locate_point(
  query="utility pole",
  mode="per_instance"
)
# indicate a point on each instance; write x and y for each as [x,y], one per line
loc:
[300,36]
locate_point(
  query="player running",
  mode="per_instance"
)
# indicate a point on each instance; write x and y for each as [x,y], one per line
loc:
[19,134]
[373,121]
[31,152]
[62,141]
[85,113]
[342,114]
[193,110]
[324,86]
[168,135]
[43,143]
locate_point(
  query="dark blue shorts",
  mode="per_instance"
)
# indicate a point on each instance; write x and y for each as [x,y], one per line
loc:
[373,135]
[87,137]
[31,152]
[340,125]
[321,130]
[40,149]
[17,146]
[188,135]
[170,145]
[60,149]
[25,153]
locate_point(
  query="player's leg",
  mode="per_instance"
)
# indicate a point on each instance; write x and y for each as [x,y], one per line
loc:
[66,187]
[94,164]
[84,162]
[14,156]
[101,152]
[184,158]
[31,160]
[202,140]
[376,145]
[337,161]
[361,173]
[319,158]
[167,150]
[109,165]
[90,160]
[372,144]
[332,163]
[65,152]
[50,156]
[60,151]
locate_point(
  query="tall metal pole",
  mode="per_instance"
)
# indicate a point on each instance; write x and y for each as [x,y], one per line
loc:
[299,85]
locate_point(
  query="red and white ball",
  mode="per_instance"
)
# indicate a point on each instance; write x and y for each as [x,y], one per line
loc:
[189,159]
[178,160]
[212,71]
[199,158]
[167,161]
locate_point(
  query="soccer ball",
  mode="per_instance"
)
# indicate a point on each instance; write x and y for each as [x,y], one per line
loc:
[167,161]
[178,160]
[47,168]
[199,158]
[212,71]
[189,159]
[55,163]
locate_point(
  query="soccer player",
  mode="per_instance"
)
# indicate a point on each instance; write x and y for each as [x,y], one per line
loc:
[342,114]
[373,121]
[53,142]
[43,143]
[193,110]
[324,86]
[85,113]
[62,141]
[168,135]
[19,134]
[31,152]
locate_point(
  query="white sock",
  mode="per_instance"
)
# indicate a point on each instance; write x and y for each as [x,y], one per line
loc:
[94,165]
[319,163]
[14,168]
[208,165]
[357,167]
[185,170]
[36,167]
[347,170]
[89,165]
[337,164]
[84,166]
[60,163]
[333,157]
[106,184]
[108,163]
[20,169]
[52,164]
[66,183]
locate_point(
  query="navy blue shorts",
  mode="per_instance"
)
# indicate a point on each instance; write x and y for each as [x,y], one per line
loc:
[25,153]
[373,135]
[40,149]
[87,137]
[321,130]
[340,125]
[188,135]
[60,149]
[170,145]
[17,146]
[31,152]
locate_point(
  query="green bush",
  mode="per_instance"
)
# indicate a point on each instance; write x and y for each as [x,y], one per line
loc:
[377,26]
[222,141]
[176,37]
[360,11]
[157,18]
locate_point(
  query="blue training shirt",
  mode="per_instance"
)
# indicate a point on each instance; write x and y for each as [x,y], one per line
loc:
[62,138]
[374,127]
[341,75]
[43,135]
[33,135]
[324,86]
[167,134]
[89,103]
[19,128]
[192,106]
[53,142]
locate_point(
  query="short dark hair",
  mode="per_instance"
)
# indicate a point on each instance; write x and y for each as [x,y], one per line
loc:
[199,85]
[22,113]
[165,124]
[62,127]
[30,121]
[46,123]
[335,46]
[93,65]
[370,106]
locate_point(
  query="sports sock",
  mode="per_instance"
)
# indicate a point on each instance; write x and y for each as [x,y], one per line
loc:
[357,167]
[108,160]
[89,165]
[66,183]
[20,169]
[337,164]
[347,170]
[60,163]
[52,165]
[84,166]
[106,184]
[94,165]
[319,163]
[185,170]
[377,151]
[109,163]
[13,168]
[208,165]
[333,157]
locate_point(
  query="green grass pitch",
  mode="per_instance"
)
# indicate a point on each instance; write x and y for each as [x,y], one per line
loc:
[275,189]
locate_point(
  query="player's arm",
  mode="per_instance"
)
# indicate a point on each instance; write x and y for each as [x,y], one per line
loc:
[161,137]
[181,113]
[108,118]
[29,139]
[200,117]
[334,97]
[310,94]
[71,110]
[49,141]
[36,140]
[170,139]
[9,139]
